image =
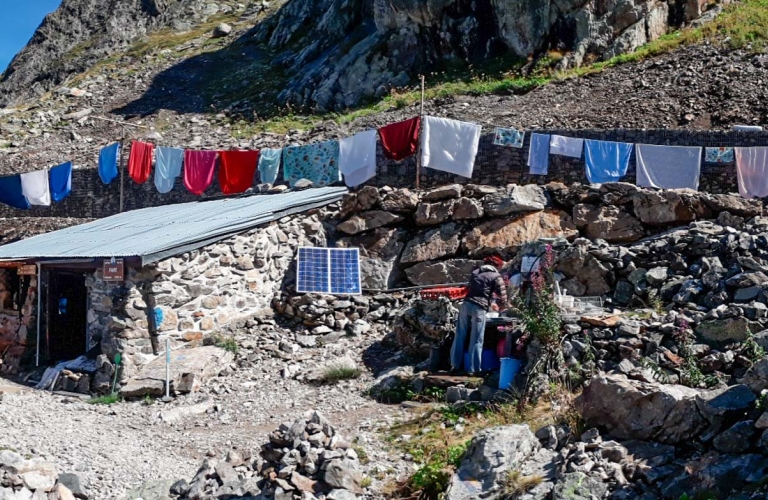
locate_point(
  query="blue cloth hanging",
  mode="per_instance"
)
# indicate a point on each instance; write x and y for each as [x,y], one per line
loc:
[269,164]
[60,181]
[538,154]
[10,192]
[108,158]
[606,161]
[167,168]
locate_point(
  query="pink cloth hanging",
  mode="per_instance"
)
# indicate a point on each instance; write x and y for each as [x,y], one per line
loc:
[198,170]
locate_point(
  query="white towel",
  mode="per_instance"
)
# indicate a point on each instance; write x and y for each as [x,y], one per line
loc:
[566,146]
[752,172]
[34,187]
[668,167]
[357,158]
[450,145]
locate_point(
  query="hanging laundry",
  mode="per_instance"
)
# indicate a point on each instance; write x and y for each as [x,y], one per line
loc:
[317,162]
[719,155]
[566,146]
[167,168]
[269,164]
[752,171]
[60,181]
[10,192]
[35,188]
[450,145]
[140,161]
[538,154]
[198,170]
[509,138]
[108,158]
[357,158]
[237,171]
[668,167]
[606,161]
[400,140]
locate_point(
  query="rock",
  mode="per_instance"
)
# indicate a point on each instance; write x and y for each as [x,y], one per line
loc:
[728,329]
[609,223]
[180,412]
[449,192]
[745,280]
[438,273]
[492,454]
[733,204]
[713,474]
[61,492]
[341,495]
[431,214]
[320,373]
[504,236]
[756,377]
[222,30]
[191,368]
[367,198]
[737,438]
[366,221]
[400,201]
[467,209]
[648,411]
[731,401]
[39,479]
[579,486]
[433,244]
[341,474]
[577,263]
[659,208]
[521,199]
[75,484]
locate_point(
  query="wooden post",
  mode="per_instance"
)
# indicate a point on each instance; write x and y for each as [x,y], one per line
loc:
[421,116]
[120,166]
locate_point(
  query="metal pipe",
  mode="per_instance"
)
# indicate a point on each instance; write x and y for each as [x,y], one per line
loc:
[39,312]
[168,369]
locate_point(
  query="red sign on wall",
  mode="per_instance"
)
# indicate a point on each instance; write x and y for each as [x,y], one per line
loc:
[114,270]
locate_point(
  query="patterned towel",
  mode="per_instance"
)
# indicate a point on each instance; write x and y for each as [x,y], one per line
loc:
[317,162]
[509,138]
[719,155]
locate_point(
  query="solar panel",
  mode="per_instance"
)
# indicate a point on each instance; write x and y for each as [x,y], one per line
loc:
[329,270]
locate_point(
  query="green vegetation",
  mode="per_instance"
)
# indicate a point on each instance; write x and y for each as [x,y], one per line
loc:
[334,374]
[516,484]
[109,399]
[751,350]
[226,342]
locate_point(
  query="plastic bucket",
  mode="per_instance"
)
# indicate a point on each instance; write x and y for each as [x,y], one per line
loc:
[490,361]
[509,369]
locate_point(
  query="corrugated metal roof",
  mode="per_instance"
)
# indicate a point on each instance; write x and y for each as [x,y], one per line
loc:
[158,232]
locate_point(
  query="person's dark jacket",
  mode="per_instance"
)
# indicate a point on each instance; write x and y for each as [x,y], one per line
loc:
[483,283]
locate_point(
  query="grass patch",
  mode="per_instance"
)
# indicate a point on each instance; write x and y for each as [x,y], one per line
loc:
[109,399]
[334,374]
[516,484]
[366,482]
[226,342]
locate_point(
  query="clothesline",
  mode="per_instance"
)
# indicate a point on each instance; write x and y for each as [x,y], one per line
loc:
[444,144]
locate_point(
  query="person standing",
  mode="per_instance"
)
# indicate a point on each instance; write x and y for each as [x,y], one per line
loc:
[484,282]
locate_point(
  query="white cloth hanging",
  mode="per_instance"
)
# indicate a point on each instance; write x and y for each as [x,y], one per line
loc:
[357,158]
[668,167]
[450,145]
[35,188]
[752,171]
[566,146]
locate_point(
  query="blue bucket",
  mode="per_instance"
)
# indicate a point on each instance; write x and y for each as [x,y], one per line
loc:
[488,362]
[509,369]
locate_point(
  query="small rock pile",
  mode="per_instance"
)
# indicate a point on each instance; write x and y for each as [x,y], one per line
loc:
[304,460]
[25,479]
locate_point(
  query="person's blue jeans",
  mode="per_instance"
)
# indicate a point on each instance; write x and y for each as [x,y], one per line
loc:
[471,317]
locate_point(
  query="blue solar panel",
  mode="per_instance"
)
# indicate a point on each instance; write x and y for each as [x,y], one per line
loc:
[329,270]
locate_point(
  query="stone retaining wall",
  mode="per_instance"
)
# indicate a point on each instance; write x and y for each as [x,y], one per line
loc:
[495,166]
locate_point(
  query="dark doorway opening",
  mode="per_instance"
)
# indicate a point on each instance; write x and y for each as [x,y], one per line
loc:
[67,316]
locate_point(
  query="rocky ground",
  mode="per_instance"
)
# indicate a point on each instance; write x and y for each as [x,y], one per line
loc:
[130,445]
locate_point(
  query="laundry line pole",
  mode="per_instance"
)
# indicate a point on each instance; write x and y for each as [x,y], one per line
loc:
[421,124]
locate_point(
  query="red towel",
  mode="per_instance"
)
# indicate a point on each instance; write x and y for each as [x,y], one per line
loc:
[400,140]
[198,170]
[140,161]
[237,170]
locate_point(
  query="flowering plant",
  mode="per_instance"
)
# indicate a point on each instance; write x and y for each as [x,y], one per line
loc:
[539,311]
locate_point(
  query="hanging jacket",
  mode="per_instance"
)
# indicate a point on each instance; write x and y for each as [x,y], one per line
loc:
[483,283]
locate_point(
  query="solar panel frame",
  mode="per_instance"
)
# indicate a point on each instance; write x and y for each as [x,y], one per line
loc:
[335,271]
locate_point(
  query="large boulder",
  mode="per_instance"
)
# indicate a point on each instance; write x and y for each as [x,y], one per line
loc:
[431,214]
[733,204]
[366,221]
[661,208]
[423,324]
[727,329]
[495,452]
[449,192]
[648,411]
[586,275]
[433,244]
[608,223]
[379,251]
[519,199]
[467,209]
[365,199]
[714,475]
[400,201]
[756,377]
[438,273]
[507,235]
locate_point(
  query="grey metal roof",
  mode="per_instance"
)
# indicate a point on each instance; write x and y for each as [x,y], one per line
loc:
[159,232]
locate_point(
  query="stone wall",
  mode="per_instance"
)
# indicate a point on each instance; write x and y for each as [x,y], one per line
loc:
[17,332]
[494,166]
[198,293]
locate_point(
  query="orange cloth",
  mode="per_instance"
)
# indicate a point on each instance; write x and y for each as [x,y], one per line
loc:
[140,161]
[237,170]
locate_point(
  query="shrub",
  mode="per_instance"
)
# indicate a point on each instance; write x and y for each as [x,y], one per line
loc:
[105,400]
[334,374]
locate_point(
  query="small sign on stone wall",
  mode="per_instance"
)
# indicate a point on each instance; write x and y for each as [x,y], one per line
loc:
[114,270]
[28,270]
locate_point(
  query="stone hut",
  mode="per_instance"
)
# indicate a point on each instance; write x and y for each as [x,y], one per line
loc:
[174,272]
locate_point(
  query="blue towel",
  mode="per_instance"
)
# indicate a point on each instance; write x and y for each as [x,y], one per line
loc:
[167,168]
[10,192]
[317,162]
[60,181]
[108,158]
[538,154]
[606,161]
[269,164]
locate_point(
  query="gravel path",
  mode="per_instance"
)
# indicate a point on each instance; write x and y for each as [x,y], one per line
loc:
[122,446]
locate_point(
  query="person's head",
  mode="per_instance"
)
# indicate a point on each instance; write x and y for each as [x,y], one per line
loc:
[494,260]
